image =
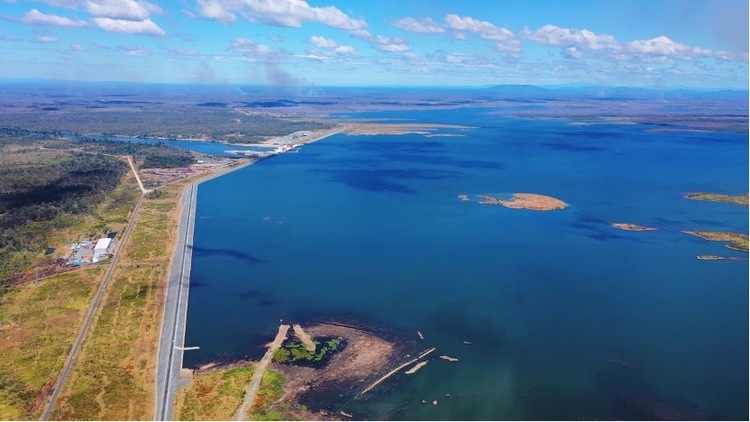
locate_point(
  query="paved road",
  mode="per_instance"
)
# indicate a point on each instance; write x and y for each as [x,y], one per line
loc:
[92,311]
[260,369]
[171,343]
[169,360]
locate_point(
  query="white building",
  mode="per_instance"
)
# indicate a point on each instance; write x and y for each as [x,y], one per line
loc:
[101,247]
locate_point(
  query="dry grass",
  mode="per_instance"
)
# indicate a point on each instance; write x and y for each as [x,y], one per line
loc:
[114,375]
[213,395]
[40,324]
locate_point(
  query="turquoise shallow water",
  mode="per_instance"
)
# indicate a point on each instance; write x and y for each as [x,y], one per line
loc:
[370,229]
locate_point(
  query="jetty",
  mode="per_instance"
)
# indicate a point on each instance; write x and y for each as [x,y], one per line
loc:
[260,369]
[416,368]
[304,337]
[398,368]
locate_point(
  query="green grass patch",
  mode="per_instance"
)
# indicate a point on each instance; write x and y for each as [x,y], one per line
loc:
[295,353]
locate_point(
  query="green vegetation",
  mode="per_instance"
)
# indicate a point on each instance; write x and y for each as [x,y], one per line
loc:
[42,190]
[718,197]
[216,394]
[213,395]
[737,241]
[296,353]
[39,325]
[54,191]
[113,378]
[145,155]
[267,407]
[152,119]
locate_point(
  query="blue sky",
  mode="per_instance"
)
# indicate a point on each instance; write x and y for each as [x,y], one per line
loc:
[651,43]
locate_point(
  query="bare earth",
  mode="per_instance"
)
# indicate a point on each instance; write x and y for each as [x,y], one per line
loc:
[365,356]
[528,201]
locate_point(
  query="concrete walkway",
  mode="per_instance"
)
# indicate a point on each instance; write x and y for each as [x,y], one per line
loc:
[260,369]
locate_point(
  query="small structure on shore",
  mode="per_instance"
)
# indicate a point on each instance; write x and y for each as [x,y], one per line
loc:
[101,247]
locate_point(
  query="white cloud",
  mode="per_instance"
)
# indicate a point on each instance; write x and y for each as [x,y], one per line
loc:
[584,39]
[345,50]
[213,9]
[123,16]
[505,39]
[131,10]
[45,39]
[383,43]
[184,52]
[665,47]
[578,44]
[249,47]
[289,13]
[77,47]
[135,51]
[421,26]
[144,27]
[485,29]
[323,42]
[36,17]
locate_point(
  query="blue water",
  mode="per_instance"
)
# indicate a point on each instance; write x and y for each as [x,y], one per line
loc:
[202,147]
[370,229]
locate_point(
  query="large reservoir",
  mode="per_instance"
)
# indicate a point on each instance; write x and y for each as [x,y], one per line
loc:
[553,314]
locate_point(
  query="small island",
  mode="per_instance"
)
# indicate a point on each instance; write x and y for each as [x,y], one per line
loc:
[718,197]
[710,257]
[632,227]
[737,241]
[528,201]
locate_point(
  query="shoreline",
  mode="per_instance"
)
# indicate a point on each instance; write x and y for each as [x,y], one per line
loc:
[174,306]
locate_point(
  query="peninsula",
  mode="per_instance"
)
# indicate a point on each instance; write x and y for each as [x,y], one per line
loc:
[741,199]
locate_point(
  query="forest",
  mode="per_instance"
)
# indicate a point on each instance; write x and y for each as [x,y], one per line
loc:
[44,182]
